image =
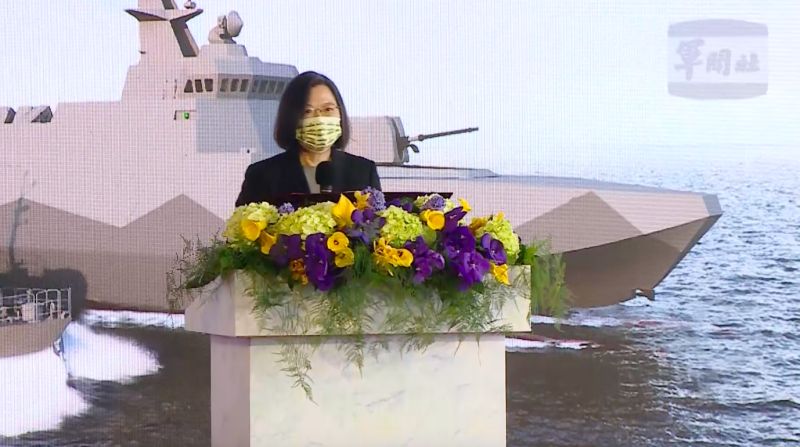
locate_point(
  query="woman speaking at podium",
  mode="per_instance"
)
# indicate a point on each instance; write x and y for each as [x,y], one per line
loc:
[312,127]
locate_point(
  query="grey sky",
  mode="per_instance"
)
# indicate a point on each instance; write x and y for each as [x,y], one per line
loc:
[551,84]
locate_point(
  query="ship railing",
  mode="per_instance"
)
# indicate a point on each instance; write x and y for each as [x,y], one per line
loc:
[27,305]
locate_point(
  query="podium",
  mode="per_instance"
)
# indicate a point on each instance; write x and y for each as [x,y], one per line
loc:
[452,393]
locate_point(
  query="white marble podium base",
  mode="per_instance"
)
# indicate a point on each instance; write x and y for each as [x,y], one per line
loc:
[450,394]
[439,397]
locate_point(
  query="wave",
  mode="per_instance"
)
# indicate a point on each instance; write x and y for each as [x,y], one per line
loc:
[118,318]
[35,395]
[95,356]
[538,342]
[579,321]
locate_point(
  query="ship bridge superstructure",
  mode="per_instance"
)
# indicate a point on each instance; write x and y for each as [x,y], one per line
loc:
[190,120]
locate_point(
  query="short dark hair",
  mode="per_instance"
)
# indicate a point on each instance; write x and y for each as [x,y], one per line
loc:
[293,105]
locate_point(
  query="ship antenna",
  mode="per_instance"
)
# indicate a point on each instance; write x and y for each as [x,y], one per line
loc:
[19,208]
[227,28]
[160,18]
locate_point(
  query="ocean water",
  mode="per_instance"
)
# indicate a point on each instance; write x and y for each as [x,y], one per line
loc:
[714,361]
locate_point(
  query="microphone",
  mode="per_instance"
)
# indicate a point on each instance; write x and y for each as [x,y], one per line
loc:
[324,176]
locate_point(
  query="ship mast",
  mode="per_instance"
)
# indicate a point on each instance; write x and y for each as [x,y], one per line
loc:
[163,33]
[19,208]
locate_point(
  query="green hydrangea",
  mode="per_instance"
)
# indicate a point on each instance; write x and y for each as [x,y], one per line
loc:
[308,220]
[256,211]
[422,200]
[501,230]
[401,226]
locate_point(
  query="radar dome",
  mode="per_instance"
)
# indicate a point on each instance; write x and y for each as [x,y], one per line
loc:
[233,24]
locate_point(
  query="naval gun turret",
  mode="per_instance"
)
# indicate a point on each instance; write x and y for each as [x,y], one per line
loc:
[383,139]
[407,142]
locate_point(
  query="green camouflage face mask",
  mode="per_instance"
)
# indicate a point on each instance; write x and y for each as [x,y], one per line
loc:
[318,134]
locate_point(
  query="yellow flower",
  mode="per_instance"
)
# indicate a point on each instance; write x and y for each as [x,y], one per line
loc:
[252,228]
[500,273]
[434,219]
[381,253]
[477,223]
[386,256]
[400,257]
[343,211]
[298,270]
[465,205]
[338,242]
[344,258]
[361,200]
[380,246]
[267,241]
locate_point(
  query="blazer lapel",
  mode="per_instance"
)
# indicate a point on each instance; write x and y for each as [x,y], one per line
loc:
[339,168]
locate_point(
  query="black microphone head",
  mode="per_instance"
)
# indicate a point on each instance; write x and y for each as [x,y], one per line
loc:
[324,176]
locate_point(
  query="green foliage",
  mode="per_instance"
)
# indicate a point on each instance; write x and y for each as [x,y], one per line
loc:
[196,266]
[297,365]
[549,294]
[414,311]
[367,301]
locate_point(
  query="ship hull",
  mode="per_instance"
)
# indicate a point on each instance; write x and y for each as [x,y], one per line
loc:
[615,272]
[25,338]
[606,261]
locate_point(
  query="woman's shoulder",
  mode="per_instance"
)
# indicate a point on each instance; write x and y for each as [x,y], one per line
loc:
[356,160]
[274,162]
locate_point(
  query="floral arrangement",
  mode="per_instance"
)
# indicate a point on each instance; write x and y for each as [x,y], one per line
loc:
[318,244]
[435,267]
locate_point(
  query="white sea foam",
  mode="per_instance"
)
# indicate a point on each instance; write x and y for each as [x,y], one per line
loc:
[114,318]
[575,320]
[518,344]
[97,356]
[590,321]
[34,394]
[639,301]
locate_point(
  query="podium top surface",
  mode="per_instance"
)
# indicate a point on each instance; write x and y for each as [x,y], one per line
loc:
[305,199]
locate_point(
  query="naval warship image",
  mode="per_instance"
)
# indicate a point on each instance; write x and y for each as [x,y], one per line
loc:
[32,318]
[110,188]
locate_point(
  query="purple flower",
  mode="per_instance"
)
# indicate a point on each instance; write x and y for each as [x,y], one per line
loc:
[458,241]
[436,202]
[493,249]
[426,261]
[451,219]
[318,261]
[376,200]
[286,248]
[367,225]
[286,208]
[363,217]
[355,233]
[470,268]
[404,204]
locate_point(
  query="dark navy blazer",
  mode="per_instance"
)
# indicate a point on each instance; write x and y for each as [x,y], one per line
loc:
[283,174]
